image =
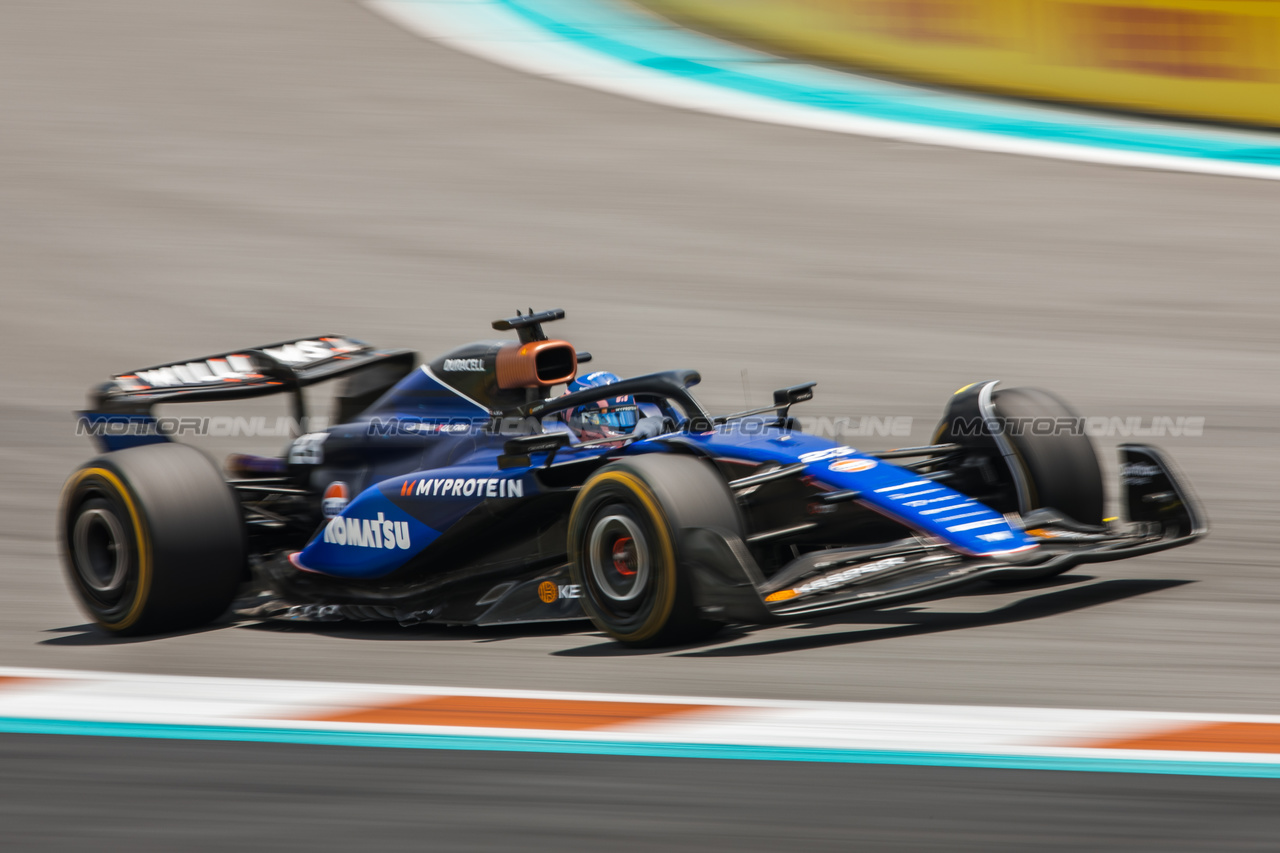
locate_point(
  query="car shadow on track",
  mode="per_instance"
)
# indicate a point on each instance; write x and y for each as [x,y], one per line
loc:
[910,621]
[1064,594]
[932,622]
[435,633]
[569,630]
[91,635]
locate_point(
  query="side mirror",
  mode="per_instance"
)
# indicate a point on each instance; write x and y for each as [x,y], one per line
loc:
[785,398]
[516,451]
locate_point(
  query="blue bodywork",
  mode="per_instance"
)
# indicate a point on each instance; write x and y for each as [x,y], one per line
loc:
[424,457]
[926,506]
[463,491]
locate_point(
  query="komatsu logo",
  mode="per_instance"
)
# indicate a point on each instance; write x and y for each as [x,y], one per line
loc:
[472,365]
[463,487]
[368,533]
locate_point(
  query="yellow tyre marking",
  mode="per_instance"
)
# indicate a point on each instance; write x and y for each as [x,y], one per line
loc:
[139,535]
[667,591]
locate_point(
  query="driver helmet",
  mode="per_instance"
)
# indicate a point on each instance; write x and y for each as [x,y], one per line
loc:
[608,417]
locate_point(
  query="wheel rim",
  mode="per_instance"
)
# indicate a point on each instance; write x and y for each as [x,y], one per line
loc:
[619,557]
[101,551]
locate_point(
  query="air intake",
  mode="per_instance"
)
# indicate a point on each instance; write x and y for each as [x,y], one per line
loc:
[538,364]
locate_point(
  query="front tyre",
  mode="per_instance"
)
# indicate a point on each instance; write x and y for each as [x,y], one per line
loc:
[152,540]
[625,549]
[1061,467]
[1057,467]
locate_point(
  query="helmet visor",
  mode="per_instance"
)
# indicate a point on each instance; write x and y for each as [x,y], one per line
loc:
[622,419]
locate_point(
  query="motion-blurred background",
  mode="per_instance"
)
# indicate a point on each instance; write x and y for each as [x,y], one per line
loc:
[182,177]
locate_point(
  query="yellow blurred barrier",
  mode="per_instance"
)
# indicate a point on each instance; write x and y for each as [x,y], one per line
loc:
[1214,59]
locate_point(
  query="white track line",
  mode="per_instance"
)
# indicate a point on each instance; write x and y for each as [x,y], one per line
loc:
[181,702]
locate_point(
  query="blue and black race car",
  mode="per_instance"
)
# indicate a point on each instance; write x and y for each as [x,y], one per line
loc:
[463,491]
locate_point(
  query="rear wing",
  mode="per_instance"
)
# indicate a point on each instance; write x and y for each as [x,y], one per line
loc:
[119,413]
[239,374]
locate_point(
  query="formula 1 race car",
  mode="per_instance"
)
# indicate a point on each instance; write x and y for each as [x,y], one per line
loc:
[462,492]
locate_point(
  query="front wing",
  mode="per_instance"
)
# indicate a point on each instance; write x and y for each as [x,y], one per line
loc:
[1162,513]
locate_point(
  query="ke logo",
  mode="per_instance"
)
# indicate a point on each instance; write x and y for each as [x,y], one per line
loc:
[549,592]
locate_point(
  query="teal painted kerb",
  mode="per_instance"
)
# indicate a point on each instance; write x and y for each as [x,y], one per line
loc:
[608,28]
[411,740]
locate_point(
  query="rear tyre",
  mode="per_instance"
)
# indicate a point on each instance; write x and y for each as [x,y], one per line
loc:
[625,546]
[152,540]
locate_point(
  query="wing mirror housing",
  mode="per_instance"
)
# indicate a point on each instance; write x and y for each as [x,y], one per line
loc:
[785,398]
[517,452]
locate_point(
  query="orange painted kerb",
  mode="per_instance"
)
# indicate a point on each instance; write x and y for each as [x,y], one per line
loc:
[500,712]
[1207,737]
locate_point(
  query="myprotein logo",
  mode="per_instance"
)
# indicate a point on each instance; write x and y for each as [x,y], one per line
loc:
[463,487]
[368,533]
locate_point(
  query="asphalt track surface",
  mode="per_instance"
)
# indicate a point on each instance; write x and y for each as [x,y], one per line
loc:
[83,793]
[181,177]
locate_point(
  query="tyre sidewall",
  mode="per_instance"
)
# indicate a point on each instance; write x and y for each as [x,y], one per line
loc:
[1061,468]
[188,531]
[98,486]
[600,497]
